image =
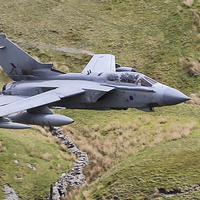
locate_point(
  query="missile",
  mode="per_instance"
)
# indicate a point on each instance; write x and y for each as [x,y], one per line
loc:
[6,123]
[41,119]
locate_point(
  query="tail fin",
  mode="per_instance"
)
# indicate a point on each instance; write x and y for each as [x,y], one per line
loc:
[17,63]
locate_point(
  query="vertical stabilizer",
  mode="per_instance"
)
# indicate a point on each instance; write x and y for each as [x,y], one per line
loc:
[17,63]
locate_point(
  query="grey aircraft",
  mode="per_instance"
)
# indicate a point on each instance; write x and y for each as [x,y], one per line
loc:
[102,85]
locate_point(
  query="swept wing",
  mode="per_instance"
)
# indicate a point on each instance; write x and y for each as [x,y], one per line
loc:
[7,99]
[11,104]
[37,100]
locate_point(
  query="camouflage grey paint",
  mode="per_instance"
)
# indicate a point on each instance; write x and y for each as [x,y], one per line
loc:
[102,84]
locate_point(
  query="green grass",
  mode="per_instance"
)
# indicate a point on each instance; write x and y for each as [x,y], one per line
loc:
[30,147]
[93,117]
[150,36]
[146,151]
[171,166]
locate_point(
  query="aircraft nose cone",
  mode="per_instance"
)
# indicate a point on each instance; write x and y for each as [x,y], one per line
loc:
[172,96]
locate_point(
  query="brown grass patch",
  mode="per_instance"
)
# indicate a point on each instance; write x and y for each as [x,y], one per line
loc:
[35,154]
[63,147]
[195,99]
[196,14]
[96,127]
[65,156]
[42,130]
[192,67]
[49,139]
[2,147]
[121,140]
[173,132]
[46,156]
[162,120]
[188,3]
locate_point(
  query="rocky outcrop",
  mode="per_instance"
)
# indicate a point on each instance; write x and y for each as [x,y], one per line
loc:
[75,177]
[10,192]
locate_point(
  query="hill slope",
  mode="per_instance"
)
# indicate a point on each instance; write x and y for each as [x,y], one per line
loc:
[20,151]
[158,38]
[169,170]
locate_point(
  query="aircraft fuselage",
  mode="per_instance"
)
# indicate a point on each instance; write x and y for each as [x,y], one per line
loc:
[126,90]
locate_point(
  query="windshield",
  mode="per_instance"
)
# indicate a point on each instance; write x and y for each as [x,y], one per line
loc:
[134,78]
[146,81]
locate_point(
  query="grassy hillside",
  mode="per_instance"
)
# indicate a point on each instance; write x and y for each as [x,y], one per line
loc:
[115,139]
[38,148]
[133,155]
[109,138]
[159,38]
[167,171]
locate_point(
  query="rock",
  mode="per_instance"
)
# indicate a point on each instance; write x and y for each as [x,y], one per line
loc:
[16,161]
[31,166]
[75,177]
[10,192]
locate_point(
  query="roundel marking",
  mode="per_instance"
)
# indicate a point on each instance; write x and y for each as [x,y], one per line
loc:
[131,98]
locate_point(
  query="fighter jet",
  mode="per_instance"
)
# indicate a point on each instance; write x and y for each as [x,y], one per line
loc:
[102,85]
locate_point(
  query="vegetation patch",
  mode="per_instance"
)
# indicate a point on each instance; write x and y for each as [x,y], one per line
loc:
[170,168]
[2,147]
[30,146]
[124,140]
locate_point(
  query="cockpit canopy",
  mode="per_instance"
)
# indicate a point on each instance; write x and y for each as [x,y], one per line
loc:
[134,78]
